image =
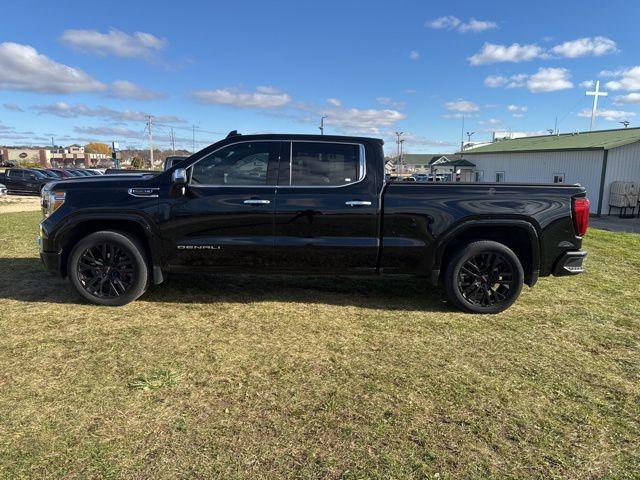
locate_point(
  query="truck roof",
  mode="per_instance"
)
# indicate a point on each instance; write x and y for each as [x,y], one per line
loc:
[297,136]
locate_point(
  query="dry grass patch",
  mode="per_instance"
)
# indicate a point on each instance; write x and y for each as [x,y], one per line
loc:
[253,377]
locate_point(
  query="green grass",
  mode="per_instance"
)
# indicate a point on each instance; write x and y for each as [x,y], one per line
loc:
[254,377]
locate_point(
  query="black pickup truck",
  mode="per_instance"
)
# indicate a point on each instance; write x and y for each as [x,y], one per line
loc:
[24,180]
[308,204]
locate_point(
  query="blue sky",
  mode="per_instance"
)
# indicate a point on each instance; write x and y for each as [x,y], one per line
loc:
[91,71]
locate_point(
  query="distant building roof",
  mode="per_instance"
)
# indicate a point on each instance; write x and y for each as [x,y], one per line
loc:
[598,140]
[426,158]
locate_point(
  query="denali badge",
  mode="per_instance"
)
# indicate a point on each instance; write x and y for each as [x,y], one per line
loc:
[198,247]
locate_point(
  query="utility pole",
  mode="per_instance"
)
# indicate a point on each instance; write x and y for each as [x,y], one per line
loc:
[625,123]
[321,127]
[462,135]
[398,135]
[595,94]
[401,148]
[149,117]
[173,141]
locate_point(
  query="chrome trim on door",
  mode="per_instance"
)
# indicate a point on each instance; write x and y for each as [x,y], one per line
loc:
[358,203]
[143,192]
[256,201]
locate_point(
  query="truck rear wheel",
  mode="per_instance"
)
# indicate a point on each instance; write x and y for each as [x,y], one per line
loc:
[108,268]
[484,277]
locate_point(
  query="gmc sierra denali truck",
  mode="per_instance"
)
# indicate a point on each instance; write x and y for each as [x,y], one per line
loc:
[308,204]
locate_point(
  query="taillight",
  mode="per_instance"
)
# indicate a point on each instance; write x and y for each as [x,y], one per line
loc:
[580,212]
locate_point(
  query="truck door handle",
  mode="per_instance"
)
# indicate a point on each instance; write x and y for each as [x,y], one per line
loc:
[256,201]
[357,203]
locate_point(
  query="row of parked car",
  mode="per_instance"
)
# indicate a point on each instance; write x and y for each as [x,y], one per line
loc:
[32,180]
[417,177]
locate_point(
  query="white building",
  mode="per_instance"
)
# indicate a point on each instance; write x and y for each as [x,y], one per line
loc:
[592,159]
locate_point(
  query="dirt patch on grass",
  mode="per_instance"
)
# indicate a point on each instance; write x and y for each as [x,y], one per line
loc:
[17,203]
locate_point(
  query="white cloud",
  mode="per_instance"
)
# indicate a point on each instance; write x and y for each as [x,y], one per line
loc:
[517,108]
[334,101]
[627,79]
[587,84]
[263,97]
[111,132]
[492,53]
[125,89]
[518,115]
[463,106]
[414,139]
[448,22]
[549,80]
[389,102]
[582,47]
[120,44]
[414,55]
[451,22]
[627,99]
[66,110]
[362,121]
[513,81]
[13,106]
[477,26]
[544,80]
[23,68]
[610,115]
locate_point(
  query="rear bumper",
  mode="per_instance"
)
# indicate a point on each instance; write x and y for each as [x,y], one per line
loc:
[570,263]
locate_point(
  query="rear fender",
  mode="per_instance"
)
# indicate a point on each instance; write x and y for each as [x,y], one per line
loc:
[449,238]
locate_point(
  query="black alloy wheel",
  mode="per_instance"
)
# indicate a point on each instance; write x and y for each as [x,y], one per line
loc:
[105,270]
[483,277]
[486,279]
[108,268]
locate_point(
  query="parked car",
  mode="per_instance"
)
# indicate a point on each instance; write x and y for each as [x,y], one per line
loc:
[23,180]
[79,172]
[308,204]
[62,173]
[420,177]
[3,190]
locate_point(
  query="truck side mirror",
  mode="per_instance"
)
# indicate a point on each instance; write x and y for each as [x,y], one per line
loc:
[179,176]
[179,179]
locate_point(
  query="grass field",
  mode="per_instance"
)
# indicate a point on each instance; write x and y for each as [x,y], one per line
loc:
[251,377]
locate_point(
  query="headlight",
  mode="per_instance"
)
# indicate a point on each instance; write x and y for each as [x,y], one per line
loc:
[51,201]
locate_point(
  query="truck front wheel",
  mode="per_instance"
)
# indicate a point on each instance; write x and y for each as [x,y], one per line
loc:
[484,277]
[108,268]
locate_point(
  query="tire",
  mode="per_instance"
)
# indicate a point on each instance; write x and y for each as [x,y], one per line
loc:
[108,268]
[484,277]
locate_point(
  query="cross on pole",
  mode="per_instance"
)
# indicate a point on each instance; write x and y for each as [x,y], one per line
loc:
[595,94]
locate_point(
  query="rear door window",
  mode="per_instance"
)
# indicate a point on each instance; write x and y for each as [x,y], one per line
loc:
[324,164]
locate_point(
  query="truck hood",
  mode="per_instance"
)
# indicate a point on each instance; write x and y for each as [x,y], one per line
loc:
[100,182]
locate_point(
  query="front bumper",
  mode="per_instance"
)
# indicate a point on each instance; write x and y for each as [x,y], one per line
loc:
[51,261]
[570,263]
